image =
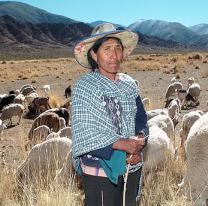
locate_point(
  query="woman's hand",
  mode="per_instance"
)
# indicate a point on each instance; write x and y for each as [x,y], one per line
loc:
[133,159]
[130,145]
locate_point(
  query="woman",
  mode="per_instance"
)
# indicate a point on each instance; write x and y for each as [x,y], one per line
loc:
[107,112]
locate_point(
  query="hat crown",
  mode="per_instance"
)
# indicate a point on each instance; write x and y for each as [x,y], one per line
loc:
[102,28]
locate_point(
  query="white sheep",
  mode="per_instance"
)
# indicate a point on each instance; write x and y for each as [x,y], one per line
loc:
[191,81]
[27,90]
[146,103]
[40,133]
[26,86]
[155,153]
[194,91]
[2,126]
[195,182]
[64,175]
[47,88]
[155,112]
[172,89]
[187,122]
[43,160]
[31,96]
[20,99]
[12,110]
[173,110]
[165,123]
[173,80]
[64,132]
[63,122]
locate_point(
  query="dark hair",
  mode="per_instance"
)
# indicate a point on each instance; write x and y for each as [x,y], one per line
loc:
[95,47]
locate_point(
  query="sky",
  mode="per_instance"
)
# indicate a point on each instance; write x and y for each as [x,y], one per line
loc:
[126,12]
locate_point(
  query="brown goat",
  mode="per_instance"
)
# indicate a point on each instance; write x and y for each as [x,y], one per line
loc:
[49,119]
[39,102]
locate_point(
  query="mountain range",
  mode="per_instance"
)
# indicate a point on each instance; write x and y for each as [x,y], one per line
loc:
[24,28]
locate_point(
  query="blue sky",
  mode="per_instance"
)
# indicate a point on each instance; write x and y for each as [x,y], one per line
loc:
[126,12]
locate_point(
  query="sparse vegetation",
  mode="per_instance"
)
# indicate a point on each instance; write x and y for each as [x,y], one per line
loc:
[162,191]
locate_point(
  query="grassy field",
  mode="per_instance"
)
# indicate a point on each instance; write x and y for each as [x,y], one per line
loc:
[153,71]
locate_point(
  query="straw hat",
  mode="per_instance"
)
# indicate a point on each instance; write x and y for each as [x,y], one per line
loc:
[129,40]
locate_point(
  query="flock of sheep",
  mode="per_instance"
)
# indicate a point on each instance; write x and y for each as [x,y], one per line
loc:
[193,139]
[48,153]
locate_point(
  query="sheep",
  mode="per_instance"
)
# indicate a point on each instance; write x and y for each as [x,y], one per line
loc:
[20,99]
[2,96]
[2,126]
[47,88]
[65,132]
[62,112]
[194,91]
[64,175]
[174,68]
[155,112]
[49,119]
[146,103]
[67,105]
[195,182]
[191,81]
[26,86]
[173,110]
[68,91]
[155,153]
[42,161]
[12,110]
[7,100]
[29,98]
[187,122]
[165,123]
[40,133]
[36,104]
[185,97]
[27,90]
[11,92]
[17,92]
[173,80]
[172,89]
[63,122]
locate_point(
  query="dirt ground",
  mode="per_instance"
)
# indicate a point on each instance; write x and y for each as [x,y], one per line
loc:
[152,84]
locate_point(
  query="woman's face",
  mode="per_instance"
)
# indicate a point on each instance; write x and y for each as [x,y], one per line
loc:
[109,57]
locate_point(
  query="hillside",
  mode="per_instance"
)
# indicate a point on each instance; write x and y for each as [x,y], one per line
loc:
[27,13]
[23,40]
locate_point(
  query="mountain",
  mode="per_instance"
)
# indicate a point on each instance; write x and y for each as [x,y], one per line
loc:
[200,29]
[169,31]
[27,13]
[24,37]
[95,23]
[16,36]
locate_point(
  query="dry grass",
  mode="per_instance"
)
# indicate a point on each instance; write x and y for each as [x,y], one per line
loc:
[162,191]
[55,101]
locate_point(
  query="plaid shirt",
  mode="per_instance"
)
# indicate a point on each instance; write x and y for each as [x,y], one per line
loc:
[92,128]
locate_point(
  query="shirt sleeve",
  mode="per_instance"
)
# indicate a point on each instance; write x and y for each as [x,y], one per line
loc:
[141,126]
[104,153]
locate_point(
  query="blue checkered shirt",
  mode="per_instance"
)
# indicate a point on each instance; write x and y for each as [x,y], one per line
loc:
[92,128]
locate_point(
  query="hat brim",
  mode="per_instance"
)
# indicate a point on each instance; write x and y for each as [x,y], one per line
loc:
[129,40]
